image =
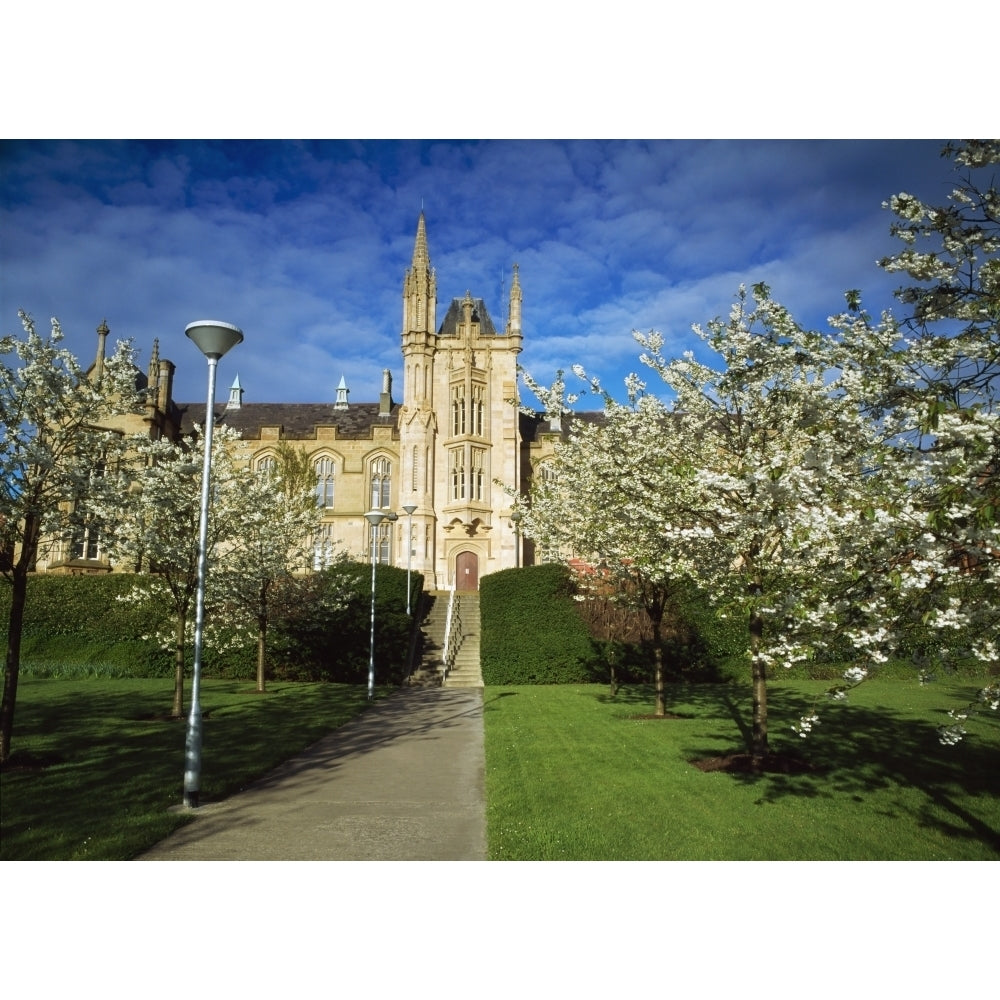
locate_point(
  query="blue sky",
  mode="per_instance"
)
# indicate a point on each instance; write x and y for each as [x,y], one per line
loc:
[303,244]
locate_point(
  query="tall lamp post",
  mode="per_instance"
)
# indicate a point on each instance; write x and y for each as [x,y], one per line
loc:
[213,340]
[375,518]
[409,508]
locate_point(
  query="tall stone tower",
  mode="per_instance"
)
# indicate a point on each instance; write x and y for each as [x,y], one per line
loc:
[458,430]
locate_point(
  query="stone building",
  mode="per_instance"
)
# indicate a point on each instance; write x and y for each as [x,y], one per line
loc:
[447,449]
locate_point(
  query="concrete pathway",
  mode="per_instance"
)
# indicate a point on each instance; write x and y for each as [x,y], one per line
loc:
[404,781]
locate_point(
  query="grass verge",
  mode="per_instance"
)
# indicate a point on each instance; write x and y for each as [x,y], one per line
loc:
[97,765]
[574,774]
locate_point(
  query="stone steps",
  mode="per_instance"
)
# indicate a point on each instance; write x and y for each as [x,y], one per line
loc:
[465,672]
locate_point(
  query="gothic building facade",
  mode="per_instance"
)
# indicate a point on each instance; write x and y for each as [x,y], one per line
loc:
[444,459]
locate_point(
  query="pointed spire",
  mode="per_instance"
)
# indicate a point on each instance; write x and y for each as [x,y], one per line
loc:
[235,394]
[419,286]
[153,376]
[342,394]
[421,256]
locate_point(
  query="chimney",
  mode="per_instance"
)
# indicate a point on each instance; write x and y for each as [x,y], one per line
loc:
[165,386]
[102,338]
[385,400]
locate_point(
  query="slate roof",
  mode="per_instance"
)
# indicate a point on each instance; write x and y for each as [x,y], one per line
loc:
[297,420]
[300,420]
[453,319]
[532,425]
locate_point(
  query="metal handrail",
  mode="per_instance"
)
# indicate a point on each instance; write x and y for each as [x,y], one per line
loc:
[452,632]
[415,633]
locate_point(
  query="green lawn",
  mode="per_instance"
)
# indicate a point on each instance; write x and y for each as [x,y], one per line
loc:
[571,773]
[113,765]
[574,774]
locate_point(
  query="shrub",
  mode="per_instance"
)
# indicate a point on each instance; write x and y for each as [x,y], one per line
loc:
[83,623]
[77,626]
[531,630]
[325,633]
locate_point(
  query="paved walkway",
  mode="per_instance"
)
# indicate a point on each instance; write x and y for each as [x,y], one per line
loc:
[404,781]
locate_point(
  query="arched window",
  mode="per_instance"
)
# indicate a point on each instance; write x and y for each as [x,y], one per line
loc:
[325,474]
[86,542]
[478,409]
[85,538]
[266,465]
[323,548]
[381,484]
[456,471]
[547,472]
[457,409]
[381,535]
[478,474]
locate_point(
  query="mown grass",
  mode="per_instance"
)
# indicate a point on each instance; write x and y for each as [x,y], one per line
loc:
[97,765]
[574,774]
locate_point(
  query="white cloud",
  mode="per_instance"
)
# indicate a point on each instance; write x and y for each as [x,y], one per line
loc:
[304,244]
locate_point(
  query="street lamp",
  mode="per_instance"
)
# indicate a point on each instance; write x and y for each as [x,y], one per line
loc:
[375,518]
[515,519]
[409,508]
[213,339]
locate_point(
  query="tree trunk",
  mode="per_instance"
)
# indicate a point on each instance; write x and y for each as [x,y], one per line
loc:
[759,746]
[181,628]
[18,600]
[261,647]
[261,636]
[661,696]
[12,668]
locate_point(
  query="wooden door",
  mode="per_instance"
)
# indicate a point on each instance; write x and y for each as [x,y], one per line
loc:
[467,571]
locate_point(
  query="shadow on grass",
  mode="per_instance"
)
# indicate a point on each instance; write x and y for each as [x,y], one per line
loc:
[115,763]
[856,750]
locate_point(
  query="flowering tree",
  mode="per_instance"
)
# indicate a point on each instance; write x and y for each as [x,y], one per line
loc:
[153,518]
[952,254]
[611,487]
[791,482]
[51,448]
[942,398]
[833,488]
[765,482]
[276,533]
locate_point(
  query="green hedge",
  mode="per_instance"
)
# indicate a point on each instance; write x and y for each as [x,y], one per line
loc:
[531,632]
[321,629]
[83,625]
[327,634]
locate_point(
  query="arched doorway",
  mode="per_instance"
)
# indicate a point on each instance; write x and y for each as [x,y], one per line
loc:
[467,571]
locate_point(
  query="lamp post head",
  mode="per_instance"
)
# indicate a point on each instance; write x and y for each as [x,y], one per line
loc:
[213,337]
[374,518]
[409,508]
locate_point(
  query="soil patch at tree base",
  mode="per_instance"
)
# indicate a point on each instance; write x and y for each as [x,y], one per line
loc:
[22,761]
[743,763]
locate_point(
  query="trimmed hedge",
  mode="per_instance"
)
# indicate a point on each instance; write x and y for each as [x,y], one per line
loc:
[327,634]
[531,631]
[79,626]
[82,624]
